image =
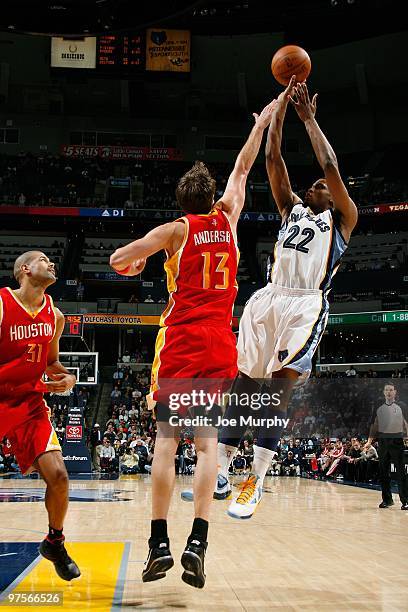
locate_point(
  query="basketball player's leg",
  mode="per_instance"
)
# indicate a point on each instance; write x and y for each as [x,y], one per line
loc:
[37,448]
[159,559]
[230,436]
[268,438]
[300,326]
[163,470]
[205,439]
[192,560]
[265,450]
[52,469]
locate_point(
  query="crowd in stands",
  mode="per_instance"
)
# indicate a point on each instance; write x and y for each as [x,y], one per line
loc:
[125,444]
[346,354]
[349,459]
[47,179]
[326,437]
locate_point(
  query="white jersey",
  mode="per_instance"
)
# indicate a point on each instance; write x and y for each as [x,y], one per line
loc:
[307,252]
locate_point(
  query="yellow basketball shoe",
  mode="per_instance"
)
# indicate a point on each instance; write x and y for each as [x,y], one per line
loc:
[247,501]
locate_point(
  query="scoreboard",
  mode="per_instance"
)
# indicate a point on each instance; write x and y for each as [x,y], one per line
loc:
[124,53]
[121,52]
[74,326]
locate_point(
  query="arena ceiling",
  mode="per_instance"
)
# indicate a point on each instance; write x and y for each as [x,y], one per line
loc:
[316,23]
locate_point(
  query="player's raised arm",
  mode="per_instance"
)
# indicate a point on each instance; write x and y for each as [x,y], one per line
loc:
[131,259]
[234,196]
[61,378]
[275,165]
[343,205]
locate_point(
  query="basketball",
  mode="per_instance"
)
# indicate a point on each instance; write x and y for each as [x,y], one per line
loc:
[288,61]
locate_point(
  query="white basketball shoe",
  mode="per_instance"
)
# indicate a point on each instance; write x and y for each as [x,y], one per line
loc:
[247,501]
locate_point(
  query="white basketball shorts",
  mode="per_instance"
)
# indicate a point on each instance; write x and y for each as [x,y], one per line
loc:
[280,328]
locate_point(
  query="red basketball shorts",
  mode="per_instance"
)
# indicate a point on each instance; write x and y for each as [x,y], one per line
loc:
[192,357]
[30,433]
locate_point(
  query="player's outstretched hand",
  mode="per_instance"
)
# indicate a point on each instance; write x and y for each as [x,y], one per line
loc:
[285,95]
[264,118]
[60,382]
[300,100]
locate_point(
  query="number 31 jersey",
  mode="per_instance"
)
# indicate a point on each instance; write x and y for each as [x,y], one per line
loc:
[24,342]
[308,250]
[201,275]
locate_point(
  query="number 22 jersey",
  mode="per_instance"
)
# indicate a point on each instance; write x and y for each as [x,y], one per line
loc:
[308,250]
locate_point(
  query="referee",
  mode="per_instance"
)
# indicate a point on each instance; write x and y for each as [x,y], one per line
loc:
[390,428]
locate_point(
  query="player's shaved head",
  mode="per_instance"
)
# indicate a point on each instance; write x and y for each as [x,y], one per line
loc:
[23,260]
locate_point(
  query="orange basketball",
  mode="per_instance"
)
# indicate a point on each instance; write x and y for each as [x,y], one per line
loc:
[291,60]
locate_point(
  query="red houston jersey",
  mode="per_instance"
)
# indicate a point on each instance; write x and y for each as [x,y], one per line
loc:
[24,341]
[201,275]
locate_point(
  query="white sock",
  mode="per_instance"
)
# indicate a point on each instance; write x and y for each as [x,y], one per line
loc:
[262,461]
[225,455]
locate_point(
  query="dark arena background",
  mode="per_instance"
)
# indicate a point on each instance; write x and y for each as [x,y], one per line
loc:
[104,105]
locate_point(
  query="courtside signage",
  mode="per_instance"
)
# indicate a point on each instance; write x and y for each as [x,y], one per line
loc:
[116,319]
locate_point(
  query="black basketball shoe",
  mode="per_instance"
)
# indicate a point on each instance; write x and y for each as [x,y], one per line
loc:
[386,504]
[158,562]
[55,552]
[192,560]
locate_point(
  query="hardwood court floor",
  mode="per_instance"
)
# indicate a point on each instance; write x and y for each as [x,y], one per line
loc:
[310,546]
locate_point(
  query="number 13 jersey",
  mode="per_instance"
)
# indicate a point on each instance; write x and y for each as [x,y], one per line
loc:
[201,275]
[308,250]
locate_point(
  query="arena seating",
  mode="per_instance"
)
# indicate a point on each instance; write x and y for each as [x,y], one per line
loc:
[11,246]
[377,252]
[26,179]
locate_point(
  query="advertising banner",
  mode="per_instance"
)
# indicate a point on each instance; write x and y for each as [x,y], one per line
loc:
[168,50]
[74,450]
[69,53]
[118,319]
[122,152]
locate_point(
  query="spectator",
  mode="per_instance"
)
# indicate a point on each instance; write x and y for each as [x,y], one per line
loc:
[126,357]
[189,459]
[60,430]
[291,465]
[239,463]
[248,453]
[368,461]
[107,456]
[110,434]
[118,374]
[129,462]
[142,452]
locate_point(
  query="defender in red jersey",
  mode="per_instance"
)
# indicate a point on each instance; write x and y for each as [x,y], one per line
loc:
[195,338]
[30,329]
